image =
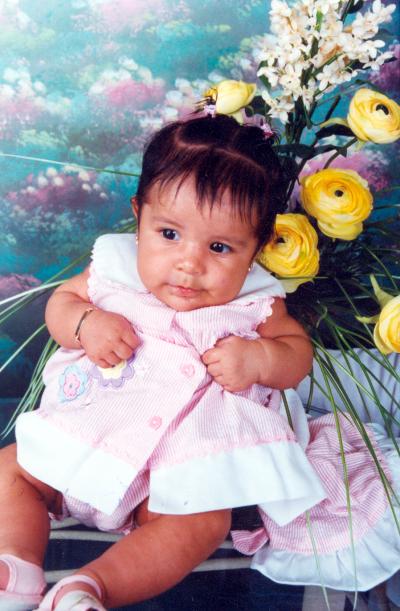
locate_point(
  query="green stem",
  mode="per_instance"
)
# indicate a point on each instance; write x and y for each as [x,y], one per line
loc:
[66,163]
[338,152]
[22,346]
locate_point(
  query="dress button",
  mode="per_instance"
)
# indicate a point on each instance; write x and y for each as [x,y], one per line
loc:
[188,370]
[155,422]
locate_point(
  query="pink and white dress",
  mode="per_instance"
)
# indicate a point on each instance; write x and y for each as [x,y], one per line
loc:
[159,426]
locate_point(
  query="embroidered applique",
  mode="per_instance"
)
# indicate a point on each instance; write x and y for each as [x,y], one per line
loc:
[113,376]
[73,383]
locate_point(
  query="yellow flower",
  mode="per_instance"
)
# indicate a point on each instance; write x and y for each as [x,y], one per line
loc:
[114,372]
[339,199]
[230,96]
[374,117]
[293,251]
[387,329]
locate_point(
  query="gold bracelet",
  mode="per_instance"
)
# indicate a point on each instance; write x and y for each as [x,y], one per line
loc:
[77,334]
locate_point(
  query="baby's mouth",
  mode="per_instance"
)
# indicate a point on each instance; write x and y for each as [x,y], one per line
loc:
[183,291]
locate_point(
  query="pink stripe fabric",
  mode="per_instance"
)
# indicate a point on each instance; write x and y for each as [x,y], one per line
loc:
[329,519]
[162,407]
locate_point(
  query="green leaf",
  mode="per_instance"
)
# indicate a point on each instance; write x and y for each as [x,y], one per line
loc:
[320,150]
[77,166]
[335,129]
[259,105]
[332,108]
[265,82]
[299,150]
[356,7]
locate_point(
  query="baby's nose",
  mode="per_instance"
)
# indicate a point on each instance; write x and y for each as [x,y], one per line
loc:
[191,261]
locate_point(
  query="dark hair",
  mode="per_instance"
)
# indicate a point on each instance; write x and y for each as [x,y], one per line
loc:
[220,154]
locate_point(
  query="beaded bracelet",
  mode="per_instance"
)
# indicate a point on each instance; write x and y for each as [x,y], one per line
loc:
[77,334]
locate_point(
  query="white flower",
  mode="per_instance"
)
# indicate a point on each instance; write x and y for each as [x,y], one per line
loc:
[280,8]
[271,74]
[84,175]
[42,182]
[290,79]
[286,56]
[334,73]
[367,25]
[280,106]
[375,65]
[307,93]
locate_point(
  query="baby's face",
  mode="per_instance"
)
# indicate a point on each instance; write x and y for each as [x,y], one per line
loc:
[191,257]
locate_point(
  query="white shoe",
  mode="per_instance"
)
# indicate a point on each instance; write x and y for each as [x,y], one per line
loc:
[18,602]
[77,600]
[25,576]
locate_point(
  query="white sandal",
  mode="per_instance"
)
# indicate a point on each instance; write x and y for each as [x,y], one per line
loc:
[77,600]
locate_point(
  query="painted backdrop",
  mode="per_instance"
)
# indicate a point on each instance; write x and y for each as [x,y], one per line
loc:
[87,81]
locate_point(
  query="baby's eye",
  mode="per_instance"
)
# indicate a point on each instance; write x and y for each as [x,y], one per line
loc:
[170,234]
[220,247]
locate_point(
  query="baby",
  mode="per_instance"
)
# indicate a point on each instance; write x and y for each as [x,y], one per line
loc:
[155,419]
[161,410]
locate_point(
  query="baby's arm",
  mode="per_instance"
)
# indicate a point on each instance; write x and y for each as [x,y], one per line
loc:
[280,358]
[106,337]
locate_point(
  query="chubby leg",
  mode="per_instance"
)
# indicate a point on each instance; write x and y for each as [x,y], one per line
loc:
[155,556]
[24,531]
[24,504]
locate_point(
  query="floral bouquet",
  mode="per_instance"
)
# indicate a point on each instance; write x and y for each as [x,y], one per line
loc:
[336,247]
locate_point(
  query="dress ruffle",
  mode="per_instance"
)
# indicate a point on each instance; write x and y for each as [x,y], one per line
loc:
[275,475]
[375,555]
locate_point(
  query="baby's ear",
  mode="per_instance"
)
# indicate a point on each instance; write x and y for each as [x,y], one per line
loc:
[135,205]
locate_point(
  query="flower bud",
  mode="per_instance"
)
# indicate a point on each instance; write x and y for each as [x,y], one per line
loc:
[230,96]
[387,329]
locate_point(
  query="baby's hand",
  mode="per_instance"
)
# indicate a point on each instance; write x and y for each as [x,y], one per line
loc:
[108,338]
[234,362]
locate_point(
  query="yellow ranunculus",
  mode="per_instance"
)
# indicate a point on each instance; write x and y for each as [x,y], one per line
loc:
[374,117]
[387,329]
[230,96]
[339,199]
[292,252]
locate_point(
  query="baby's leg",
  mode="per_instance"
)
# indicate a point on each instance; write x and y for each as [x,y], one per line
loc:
[24,504]
[155,556]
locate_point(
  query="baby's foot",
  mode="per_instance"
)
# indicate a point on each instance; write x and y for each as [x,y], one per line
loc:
[21,584]
[75,593]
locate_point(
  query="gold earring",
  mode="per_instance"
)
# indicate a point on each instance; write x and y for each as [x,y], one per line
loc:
[251,266]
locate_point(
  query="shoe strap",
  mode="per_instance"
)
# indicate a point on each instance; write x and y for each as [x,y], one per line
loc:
[50,596]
